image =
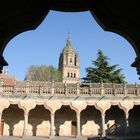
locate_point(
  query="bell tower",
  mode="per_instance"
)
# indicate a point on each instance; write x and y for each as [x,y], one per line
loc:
[69,64]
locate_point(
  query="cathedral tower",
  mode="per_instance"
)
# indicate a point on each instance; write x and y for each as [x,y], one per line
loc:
[69,64]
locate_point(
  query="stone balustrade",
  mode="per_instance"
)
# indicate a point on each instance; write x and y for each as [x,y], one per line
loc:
[79,89]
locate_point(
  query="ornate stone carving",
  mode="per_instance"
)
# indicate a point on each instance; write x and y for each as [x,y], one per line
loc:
[102,106]
[78,106]
[126,106]
[26,105]
[52,106]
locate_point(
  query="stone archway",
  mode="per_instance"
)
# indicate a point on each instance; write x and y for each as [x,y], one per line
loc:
[90,121]
[119,17]
[65,119]
[134,120]
[115,121]
[13,118]
[39,119]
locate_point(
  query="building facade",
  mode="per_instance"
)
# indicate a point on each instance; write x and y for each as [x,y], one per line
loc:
[60,109]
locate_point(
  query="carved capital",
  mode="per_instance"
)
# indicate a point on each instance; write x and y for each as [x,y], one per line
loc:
[26,105]
[126,106]
[52,106]
[78,106]
[102,106]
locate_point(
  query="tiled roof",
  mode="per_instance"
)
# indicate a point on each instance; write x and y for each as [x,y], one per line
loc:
[7,80]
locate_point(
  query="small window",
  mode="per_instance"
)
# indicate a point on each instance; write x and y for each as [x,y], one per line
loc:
[74,75]
[71,75]
[70,60]
[68,74]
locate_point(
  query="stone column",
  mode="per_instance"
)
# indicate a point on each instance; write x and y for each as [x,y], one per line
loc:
[78,125]
[103,124]
[25,124]
[52,127]
[127,123]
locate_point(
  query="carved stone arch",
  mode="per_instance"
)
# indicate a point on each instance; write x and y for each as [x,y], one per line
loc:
[73,108]
[78,106]
[52,106]
[118,18]
[26,105]
[103,106]
[48,107]
[23,20]
[126,106]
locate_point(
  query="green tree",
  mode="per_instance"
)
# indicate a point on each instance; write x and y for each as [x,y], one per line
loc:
[43,73]
[102,71]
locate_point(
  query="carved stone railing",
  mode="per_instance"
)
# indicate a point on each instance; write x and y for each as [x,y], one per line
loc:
[79,89]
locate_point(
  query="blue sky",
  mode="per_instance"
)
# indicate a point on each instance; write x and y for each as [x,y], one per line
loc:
[43,45]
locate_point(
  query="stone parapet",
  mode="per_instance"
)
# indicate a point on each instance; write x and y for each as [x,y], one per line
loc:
[63,89]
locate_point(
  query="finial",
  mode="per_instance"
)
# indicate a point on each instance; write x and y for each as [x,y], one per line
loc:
[68,35]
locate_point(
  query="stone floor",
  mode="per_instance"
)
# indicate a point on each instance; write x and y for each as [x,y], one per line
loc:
[64,138]
[40,138]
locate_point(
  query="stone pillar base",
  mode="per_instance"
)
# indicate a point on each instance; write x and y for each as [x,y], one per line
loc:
[26,137]
[78,137]
[51,137]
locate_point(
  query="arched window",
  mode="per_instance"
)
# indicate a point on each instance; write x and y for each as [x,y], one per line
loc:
[71,75]
[75,61]
[70,60]
[74,75]
[68,74]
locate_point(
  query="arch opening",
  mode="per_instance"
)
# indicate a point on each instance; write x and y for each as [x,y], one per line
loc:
[115,121]
[39,121]
[90,121]
[13,118]
[134,120]
[65,122]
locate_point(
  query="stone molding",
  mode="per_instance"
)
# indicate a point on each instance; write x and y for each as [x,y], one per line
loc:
[52,106]
[26,105]
[102,106]
[77,106]
[126,106]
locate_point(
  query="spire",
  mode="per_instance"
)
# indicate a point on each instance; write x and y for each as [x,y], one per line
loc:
[68,36]
[68,47]
[68,43]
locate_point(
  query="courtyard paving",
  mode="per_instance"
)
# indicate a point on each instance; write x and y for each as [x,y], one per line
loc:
[40,138]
